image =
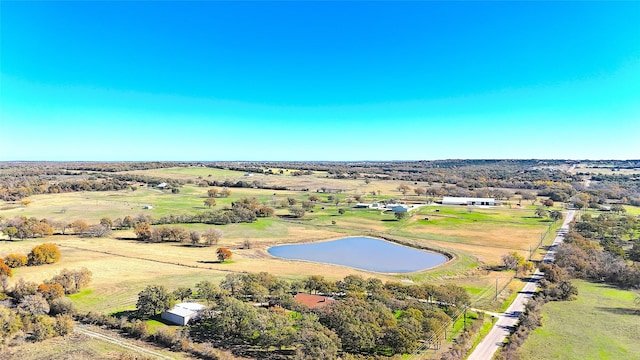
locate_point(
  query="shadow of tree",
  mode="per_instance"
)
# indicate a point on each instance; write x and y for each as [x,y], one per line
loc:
[620,310]
[209,261]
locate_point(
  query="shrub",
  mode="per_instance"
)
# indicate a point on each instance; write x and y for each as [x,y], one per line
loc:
[44,254]
[50,292]
[15,260]
[61,305]
[5,270]
[138,329]
[64,324]
[43,328]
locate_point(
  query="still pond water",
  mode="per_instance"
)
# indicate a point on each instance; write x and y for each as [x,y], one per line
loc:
[362,253]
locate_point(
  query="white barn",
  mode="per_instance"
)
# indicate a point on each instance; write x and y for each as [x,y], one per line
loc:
[453,200]
[181,313]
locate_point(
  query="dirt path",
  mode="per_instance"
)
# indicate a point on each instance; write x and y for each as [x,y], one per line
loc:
[82,329]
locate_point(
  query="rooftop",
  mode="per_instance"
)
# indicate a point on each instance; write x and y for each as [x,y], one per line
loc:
[313,301]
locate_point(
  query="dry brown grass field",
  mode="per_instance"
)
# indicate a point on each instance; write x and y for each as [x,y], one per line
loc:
[82,347]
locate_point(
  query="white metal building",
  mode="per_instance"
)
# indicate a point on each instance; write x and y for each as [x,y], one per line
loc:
[453,200]
[181,313]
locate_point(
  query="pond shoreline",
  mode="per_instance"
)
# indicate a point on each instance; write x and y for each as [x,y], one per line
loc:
[366,253]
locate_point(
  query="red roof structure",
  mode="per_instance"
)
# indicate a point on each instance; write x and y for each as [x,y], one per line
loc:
[313,301]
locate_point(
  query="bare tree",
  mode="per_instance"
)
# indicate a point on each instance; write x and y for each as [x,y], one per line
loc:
[212,236]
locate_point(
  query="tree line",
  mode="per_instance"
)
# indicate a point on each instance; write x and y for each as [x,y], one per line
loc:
[369,317]
[603,248]
[39,311]
[39,255]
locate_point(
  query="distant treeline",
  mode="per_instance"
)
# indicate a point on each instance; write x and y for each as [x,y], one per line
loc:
[545,177]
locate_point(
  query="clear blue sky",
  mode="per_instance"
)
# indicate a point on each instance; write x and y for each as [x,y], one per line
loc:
[300,80]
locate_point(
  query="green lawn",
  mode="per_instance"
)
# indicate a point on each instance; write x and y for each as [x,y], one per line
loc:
[603,323]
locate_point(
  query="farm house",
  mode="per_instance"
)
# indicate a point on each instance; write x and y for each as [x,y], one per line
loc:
[181,313]
[452,200]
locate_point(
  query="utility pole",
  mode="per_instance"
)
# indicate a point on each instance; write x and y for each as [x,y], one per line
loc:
[464,324]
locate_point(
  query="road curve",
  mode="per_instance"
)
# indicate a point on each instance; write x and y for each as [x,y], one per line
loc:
[502,327]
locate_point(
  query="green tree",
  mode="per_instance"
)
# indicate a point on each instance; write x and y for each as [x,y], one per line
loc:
[276,329]
[10,231]
[232,283]
[10,322]
[555,215]
[540,212]
[236,319]
[634,252]
[154,299]
[207,290]
[182,293]
[316,345]
[43,328]
[358,323]
[400,215]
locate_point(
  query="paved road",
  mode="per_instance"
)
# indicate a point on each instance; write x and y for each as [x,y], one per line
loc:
[501,329]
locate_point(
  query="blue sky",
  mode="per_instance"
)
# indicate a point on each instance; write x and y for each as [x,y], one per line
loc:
[302,80]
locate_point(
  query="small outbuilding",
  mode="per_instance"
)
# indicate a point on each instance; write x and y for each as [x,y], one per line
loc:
[182,313]
[147,207]
[400,208]
[453,200]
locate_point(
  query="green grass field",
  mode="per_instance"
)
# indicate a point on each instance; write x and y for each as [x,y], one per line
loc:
[603,323]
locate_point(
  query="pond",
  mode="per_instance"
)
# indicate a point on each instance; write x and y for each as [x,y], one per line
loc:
[362,253]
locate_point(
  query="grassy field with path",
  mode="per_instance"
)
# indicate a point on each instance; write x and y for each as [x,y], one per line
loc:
[603,323]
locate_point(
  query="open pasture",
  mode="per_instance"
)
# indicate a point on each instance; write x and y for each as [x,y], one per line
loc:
[603,323]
